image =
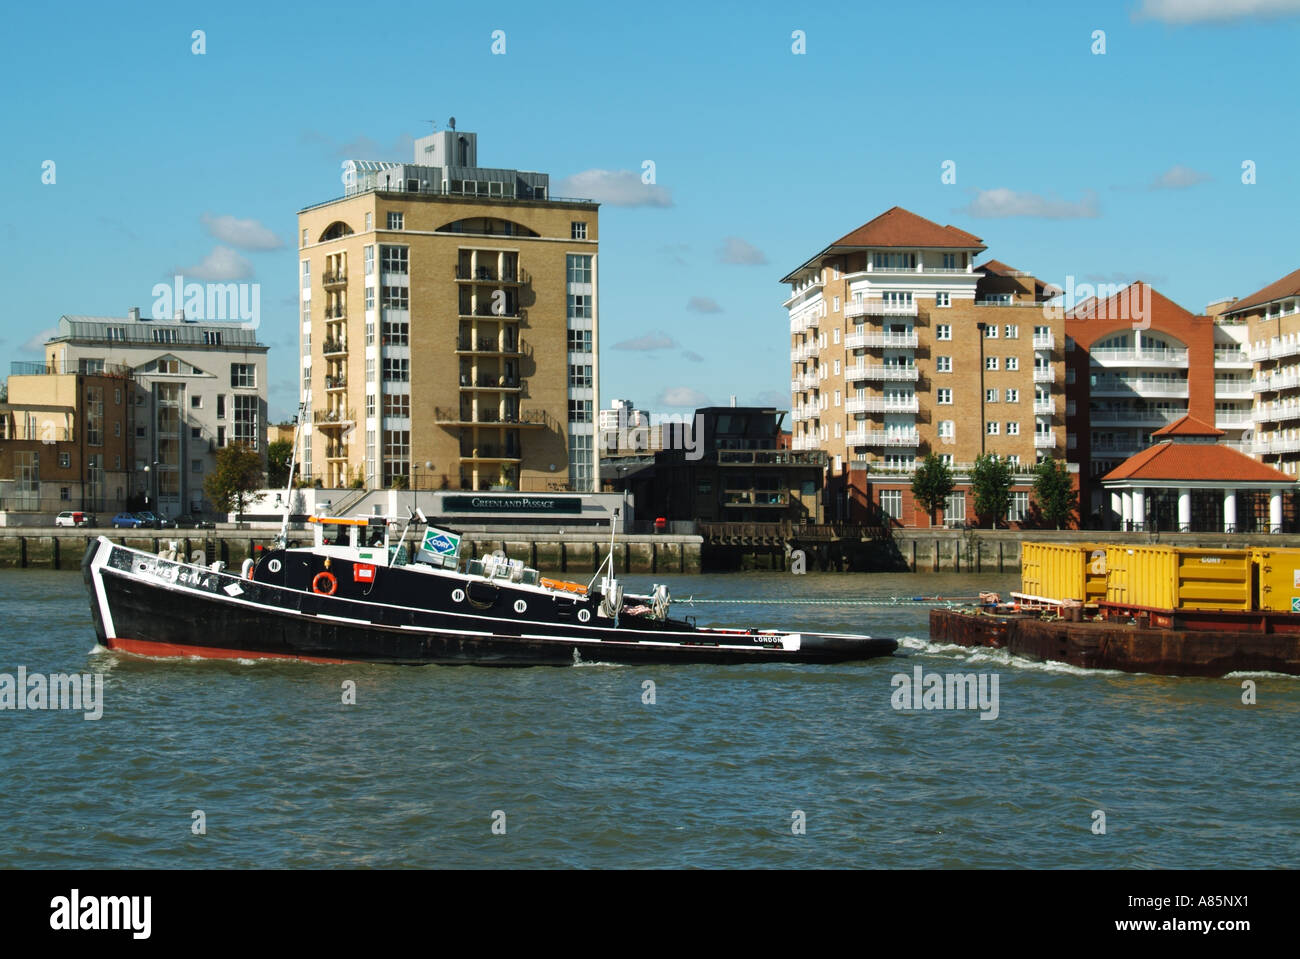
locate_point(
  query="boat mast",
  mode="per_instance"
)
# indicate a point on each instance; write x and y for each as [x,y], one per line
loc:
[283,538]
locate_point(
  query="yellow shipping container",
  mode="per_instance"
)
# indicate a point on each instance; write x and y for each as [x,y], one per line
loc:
[1176,577]
[1277,579]
[1063,571]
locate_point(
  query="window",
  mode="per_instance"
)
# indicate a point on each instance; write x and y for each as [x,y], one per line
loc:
[990,362]
[394,259]
[992,427]
[65,461]
[243,375]
[370,369]
[954,510]
[370,298]
[304,237]
[1013,396]
[396,221]
[577,230]
[579,341]
[578,268]
[891,503]
[65,492]
[579,306]
[397,454]
[246,419]
[211,337]
[164,336]
[196,466]
[836,308]
[942,300]
[1011,331]
[1018,507]
[370,404]
[579,376]
[893,261]
[990,396]
[943,332]
[835,334]
[196,432]
[1013,429]
[1014,459]
[943,397]
[950,261]
[370,258]
[947,459]
[395,298]
[943,364]
[306,276]
[579,411]
[221,436]
[117,397]
[1069,344]
[95,416]
[1013,362]
[370,332]
[397,404]
[837,403]
[1069,376]
[397,370]
[580,461]
[836,364]
[991,331]
[396,332]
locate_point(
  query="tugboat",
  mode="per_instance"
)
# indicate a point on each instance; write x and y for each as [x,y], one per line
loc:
[354,596]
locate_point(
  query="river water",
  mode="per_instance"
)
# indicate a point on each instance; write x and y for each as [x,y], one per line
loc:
[767,766]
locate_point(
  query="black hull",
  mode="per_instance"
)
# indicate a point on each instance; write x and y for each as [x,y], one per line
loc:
[143,605]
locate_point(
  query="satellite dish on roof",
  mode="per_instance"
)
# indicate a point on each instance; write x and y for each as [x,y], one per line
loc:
[451,122]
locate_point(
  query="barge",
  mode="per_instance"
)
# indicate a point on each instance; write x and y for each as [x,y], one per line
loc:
[1148,609]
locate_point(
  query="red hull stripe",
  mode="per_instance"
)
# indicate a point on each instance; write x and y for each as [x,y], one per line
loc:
[147,648]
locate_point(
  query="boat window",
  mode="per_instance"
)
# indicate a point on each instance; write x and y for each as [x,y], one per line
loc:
[376,536]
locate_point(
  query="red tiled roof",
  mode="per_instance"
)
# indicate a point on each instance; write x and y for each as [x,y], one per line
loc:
[1199,462]
[899,227]
[1164,310]
[1188,425]
[1289,285]
[996,266]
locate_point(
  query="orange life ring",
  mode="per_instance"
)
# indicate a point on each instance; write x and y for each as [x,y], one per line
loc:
[329,580]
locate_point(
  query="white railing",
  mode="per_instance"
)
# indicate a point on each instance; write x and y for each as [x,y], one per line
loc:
[1275,381]
[877,404]
[1044,374]
[1134,416]
[1044,440]
[903,341]
[809,381]
[1044,341]
[796,385]
[1157,387]
[902,438]
[898,374]
[1226,420]
[1233,386]
[1232,357]
[1275,349]
[876,307]
[1267,412]
[1044,406]
[1139,357]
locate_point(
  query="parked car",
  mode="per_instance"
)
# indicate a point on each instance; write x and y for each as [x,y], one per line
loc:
[127,521]
[72,517]
[194,521]
[155,520]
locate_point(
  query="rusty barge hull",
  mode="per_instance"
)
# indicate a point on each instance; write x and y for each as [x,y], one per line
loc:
[1120,646]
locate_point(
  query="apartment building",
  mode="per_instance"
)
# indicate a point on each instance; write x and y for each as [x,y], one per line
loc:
[194,387]
[449,327]
[1270,320]
[66,439]
[1136,362]
[902,345]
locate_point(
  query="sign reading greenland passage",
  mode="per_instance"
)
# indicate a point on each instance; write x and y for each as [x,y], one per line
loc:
[512,504]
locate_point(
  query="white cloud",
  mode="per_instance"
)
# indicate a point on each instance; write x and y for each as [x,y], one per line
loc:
[614,188]
[37,343]
[221,264]
[736,250]
[682,396]
[651,341]
[703,304]
[245,234]
[1213,11]
[773,398]
[1178,177]
[1001,202]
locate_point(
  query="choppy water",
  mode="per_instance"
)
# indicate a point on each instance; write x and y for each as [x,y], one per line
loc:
[586,774]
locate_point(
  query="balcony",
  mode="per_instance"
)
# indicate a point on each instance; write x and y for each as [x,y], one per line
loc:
[336,383]
[1140,387]
[1044,407]
[1044,441]
[330,418]
[1152,417]
[771,498]
[485,452]
[878,307]
[1044,374]
[334,347]
[1233,388]
[334,278]
[489,381]
[875,341]
[1277,444]
[1232,358]
[1045,341]
[1109,448]
[891,374]
[1274,349]
[336,313]
[879,404]
[1276,412]
[796,386]
[508,312]
[887,438]
[487,274]
[811,411]
[1232,420]
[808,381]
[1173,359]
[1270,382]
[486,347]
[808,286]
[523,419]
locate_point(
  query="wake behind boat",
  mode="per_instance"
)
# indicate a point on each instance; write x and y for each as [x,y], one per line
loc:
[355,597]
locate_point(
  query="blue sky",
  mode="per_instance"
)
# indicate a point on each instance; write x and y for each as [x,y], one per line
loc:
[1126,164]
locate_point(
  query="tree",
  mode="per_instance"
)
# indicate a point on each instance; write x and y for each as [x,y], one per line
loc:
[990,481]
[277,463]
[932,484]
[1055,493]
[238,473]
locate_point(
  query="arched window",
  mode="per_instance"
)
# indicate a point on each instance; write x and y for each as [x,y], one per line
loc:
[335,230]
